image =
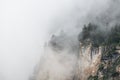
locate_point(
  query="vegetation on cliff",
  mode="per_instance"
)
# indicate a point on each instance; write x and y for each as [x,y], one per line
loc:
[109,40]
[98,36]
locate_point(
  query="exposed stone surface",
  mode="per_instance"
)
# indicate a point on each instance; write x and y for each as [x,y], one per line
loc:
[88,63]
[109,68]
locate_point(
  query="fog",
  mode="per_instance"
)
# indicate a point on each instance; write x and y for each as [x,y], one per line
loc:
[23,28]
[62,48]
[25,25]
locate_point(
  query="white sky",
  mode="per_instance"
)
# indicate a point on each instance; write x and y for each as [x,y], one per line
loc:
[24,27]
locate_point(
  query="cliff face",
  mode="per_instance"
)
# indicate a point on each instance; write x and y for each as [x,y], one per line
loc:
[88,61]
[98,63]
[109,68]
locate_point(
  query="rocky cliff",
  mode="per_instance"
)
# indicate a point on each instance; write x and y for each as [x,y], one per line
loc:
[109,67]
[93,56]
[88,61]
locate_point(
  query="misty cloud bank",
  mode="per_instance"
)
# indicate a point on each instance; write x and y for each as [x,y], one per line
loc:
[61,51]
[26,25]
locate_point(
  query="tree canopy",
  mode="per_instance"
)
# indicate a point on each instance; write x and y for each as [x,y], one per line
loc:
[98,37]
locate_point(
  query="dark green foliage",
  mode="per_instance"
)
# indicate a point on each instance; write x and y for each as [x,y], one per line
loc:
[114,35]
[92,33]
[88,31]
[93,78]
[109,72]
[99,37]
[101,66]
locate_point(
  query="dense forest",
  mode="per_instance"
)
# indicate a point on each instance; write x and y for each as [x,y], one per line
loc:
[99,36]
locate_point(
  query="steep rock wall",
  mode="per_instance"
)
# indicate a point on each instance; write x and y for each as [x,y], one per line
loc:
[88,61]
